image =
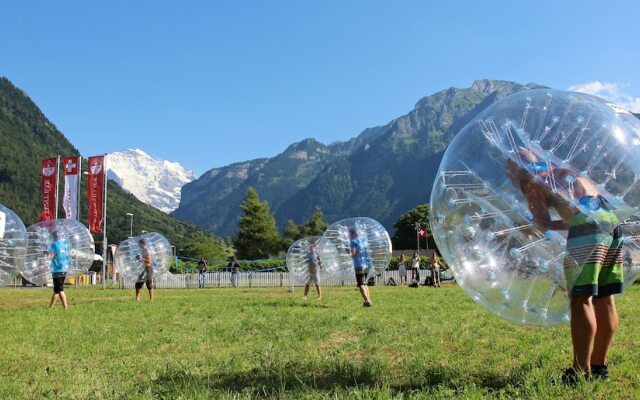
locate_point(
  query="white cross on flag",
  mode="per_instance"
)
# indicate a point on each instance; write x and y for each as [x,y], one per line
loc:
[71,182]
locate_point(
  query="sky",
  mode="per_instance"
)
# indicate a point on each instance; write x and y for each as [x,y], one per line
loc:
[209,83]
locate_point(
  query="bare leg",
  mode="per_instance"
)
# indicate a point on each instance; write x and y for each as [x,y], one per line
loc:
[54,297]
[364,292]
[607,322]
[319,291]
[583,331]
[151,294]
[63,298]
[137,294]
[306,291]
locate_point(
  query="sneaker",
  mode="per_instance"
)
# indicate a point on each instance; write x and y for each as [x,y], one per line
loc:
[600,372]
[571,377]
[367,304]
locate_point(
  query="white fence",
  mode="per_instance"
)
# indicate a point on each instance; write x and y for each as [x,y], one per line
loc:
[244,279]
[264,279]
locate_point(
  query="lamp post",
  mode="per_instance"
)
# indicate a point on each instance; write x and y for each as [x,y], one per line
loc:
[131,229]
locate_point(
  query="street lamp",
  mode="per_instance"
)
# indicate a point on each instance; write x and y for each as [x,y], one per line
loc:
[131,229]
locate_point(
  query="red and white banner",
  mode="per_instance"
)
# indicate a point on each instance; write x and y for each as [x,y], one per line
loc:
[96,192]
[71,181]
[423,232]
[49,188]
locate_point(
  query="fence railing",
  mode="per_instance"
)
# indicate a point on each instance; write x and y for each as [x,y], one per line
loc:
[244,280]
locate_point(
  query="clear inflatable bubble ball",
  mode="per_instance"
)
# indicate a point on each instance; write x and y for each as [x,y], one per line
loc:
[310,260]
[529,192]
[65,239]
[143,258]
[13,245]
[361,244]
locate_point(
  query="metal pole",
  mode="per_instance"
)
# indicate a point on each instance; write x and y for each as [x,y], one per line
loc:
[104,223]
[57,183]
[78,188]
[418,236]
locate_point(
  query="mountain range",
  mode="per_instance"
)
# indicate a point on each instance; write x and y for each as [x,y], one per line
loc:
[152,181]
[382,173]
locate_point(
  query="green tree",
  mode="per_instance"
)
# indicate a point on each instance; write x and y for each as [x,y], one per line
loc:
[257,234]
[405,236]
[315,226]
[290,234]
[207,247]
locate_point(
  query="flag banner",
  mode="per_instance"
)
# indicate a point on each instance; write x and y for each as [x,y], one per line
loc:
[95,192]
[71,180]
[423,232]
[48,188]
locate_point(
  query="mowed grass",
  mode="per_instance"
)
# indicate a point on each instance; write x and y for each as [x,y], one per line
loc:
[248,343]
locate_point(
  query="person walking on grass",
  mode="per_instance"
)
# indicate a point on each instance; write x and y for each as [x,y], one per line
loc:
[402,270]
[435,268]
[146,275]
[313,265]
[59,251]
[202,270]
[233,268]
[361,264]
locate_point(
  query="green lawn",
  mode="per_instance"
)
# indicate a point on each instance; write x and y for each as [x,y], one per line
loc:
[246,343]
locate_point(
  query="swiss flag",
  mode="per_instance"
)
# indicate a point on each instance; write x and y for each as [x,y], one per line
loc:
[423,232]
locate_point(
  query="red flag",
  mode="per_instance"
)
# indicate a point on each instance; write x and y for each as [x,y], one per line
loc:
[423,232]
[95,195]
[70,199]
[48,186]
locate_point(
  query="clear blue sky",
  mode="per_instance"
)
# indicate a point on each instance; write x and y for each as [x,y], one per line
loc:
[207,83]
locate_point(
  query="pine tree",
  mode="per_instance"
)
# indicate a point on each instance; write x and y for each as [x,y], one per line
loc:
[257,234]
[315,226]
[290,234]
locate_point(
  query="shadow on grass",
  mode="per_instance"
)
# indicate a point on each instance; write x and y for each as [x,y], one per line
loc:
[269,382]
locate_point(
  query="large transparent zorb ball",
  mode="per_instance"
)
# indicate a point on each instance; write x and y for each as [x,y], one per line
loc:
[130,260]
[372,238]
[511,182]
[13,245]
[76,245]
[310,262]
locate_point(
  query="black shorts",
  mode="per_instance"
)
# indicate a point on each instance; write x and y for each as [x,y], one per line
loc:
[58,283]
[360,278]
[149,283]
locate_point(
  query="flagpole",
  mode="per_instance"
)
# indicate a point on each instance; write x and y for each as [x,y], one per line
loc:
[78,188]
[104,226]
[57,183]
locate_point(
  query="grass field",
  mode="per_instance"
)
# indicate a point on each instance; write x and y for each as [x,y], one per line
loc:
[247,343]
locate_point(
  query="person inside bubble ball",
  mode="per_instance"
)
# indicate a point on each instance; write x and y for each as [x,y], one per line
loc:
[313,265]
[594,266]
[531,178]
[146,275]
[59,251]
[361,264]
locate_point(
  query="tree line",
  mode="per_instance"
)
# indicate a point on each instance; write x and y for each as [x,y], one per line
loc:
[258,236]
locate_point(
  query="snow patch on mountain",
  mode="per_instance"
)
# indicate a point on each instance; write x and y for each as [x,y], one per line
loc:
[152,181]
